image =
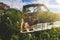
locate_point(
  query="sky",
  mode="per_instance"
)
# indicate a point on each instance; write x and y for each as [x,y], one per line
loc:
[53,5]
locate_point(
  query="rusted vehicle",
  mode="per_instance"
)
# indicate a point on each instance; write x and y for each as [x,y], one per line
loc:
[32,10]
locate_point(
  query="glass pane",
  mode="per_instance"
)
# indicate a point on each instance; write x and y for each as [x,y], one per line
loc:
[31,9]
[43,8]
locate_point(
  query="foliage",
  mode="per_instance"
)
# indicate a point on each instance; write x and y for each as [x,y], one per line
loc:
[14,37]
[9,28]
[57,16]
[45,16]
[10,20]
[52,34]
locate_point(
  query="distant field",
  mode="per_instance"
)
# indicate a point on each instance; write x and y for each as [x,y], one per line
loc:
[58,17]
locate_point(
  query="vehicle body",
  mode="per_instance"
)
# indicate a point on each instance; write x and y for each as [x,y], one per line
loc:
[32,10]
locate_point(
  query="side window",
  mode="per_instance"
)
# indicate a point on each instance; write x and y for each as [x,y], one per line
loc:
[31,9]
[43,8]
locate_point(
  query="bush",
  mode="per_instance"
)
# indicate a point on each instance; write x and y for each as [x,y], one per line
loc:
[52,34]
[9,22]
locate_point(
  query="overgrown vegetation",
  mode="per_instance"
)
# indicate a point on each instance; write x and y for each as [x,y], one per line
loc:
[10,20]
[46,16]
[10,24]
[57,16]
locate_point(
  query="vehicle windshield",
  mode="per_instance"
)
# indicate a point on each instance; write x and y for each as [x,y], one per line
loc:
[35,9]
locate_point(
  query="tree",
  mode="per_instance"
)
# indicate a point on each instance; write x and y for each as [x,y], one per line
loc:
[4,6]
[10,22]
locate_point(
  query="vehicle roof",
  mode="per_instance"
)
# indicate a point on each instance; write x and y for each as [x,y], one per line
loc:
[32,5]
